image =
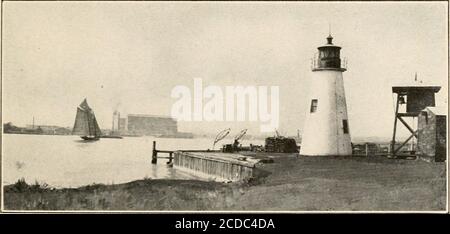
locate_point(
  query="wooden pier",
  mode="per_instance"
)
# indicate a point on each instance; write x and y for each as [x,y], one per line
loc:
[210,164]
[216,165]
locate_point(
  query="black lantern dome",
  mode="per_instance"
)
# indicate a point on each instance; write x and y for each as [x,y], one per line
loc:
[329,56]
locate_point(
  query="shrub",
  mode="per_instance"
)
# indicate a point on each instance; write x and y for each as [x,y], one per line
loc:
[22,186]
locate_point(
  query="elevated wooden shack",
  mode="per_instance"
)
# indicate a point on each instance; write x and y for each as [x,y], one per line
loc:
[416,98]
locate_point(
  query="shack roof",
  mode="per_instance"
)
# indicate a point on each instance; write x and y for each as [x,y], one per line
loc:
[414,88]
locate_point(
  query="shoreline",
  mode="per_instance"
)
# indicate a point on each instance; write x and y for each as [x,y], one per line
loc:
[288,184]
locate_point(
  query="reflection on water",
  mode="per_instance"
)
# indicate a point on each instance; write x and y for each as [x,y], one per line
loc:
[67,161]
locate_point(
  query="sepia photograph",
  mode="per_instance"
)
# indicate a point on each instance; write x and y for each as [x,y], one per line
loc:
[289,107]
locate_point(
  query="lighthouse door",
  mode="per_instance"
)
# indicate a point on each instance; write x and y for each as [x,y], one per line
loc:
[345,126]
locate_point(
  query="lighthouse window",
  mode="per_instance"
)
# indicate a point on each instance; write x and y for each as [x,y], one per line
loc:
[331,53]
[313,106]
[345,126]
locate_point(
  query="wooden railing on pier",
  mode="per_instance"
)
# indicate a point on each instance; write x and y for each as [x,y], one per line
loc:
[155,153]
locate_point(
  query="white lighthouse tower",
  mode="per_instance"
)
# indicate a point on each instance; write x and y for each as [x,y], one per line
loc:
[326,131]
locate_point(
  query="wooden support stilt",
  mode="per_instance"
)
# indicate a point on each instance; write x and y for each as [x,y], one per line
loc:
[395,127]
[393,149]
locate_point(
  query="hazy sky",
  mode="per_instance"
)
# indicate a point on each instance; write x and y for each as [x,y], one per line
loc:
[129,55]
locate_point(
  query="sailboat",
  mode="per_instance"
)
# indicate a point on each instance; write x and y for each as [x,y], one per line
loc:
[86,125]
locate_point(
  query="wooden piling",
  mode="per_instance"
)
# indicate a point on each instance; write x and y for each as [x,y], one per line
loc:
[154,153]
[170,158]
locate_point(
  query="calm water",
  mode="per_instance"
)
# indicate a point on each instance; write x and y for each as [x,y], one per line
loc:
[66,161]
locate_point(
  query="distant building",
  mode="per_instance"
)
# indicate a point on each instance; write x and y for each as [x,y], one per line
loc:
[432,132]
[62,131]
[123,125]
[148,125]
[45,128]
[49,129]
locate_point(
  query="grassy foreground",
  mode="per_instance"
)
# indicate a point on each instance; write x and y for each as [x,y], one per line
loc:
[288,184]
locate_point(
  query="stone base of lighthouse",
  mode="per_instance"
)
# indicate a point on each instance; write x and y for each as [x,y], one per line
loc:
[326,130]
